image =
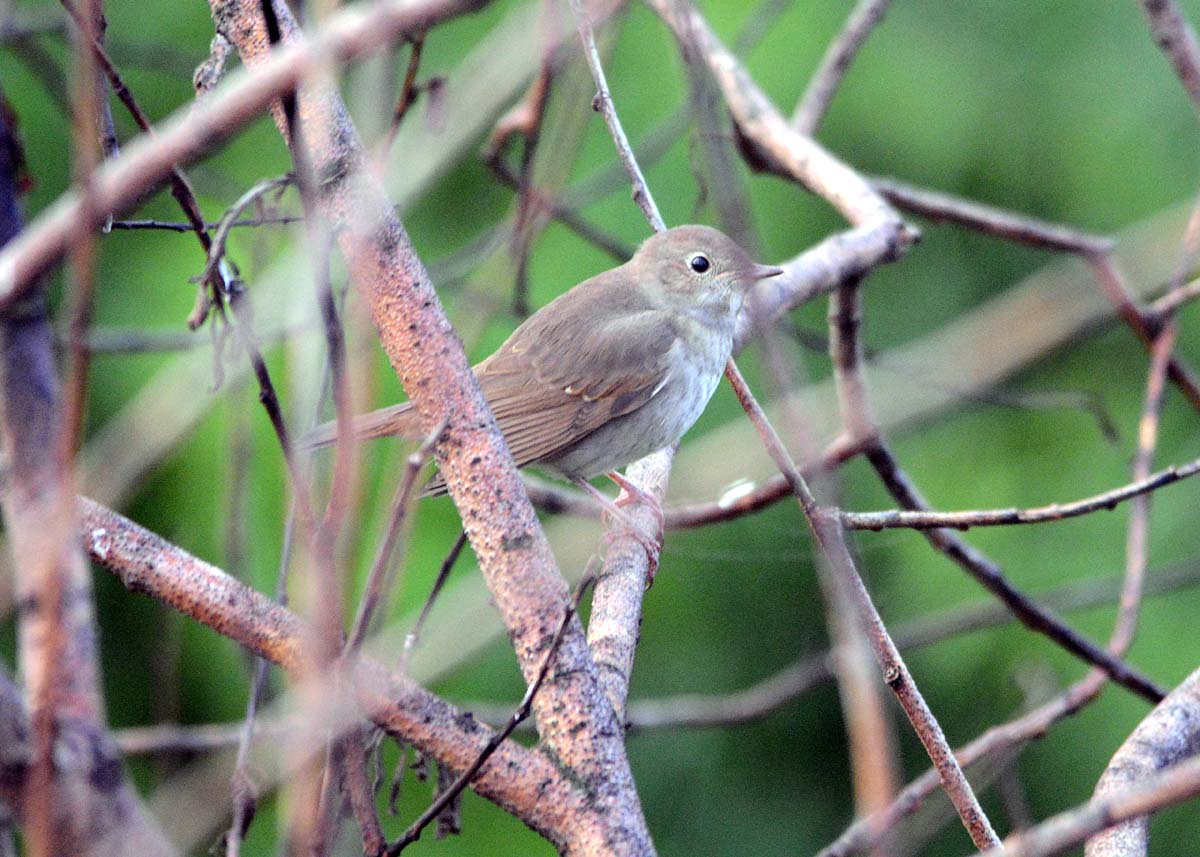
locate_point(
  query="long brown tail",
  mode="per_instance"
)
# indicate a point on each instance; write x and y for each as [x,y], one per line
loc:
[400,420]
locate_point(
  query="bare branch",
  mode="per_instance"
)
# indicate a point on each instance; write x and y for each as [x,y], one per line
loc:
[413,833]
[1168,736]
[1153,792]
[866,16]
[990,220]
[604,104]
[522,782]
[831,539]
[805,673]
[928,520]
[1176,38]
[1143,323]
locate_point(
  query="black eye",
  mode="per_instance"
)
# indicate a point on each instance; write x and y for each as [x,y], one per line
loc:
[699,263]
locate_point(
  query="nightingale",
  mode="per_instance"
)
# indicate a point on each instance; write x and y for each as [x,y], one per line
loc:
[612,370]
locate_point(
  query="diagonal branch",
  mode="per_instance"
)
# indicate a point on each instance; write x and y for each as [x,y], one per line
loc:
[1169,735]
[1108,500]
[866,16]
[1176,38]
[526,783]
[830,537]
[574,716]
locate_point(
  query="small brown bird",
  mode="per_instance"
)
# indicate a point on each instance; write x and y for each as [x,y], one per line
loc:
[614,369]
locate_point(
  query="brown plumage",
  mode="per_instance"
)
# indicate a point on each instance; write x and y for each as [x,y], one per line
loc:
[614,369]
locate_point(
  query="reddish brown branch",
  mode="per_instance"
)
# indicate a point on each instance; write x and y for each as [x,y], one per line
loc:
[1106,501]
[830,537]
[523,782]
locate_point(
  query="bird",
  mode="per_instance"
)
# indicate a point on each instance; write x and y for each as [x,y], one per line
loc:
[619,366]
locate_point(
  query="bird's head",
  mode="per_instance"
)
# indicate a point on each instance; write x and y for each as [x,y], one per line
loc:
[698,267]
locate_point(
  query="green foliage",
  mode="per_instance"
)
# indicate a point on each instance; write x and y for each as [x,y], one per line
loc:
[1065,111]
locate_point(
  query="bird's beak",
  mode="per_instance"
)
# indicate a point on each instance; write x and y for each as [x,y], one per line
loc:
[762,272]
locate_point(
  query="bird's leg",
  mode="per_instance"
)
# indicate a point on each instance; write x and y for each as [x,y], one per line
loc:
[652,546]
[631,493]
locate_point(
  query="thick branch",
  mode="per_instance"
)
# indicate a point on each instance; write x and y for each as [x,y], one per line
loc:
[73,796]
[574,716]
[524,782]
[1169,735]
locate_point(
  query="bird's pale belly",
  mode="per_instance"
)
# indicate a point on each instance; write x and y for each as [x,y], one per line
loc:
[657,424]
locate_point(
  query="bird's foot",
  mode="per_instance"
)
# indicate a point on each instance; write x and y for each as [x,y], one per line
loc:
[631,493]
[649,543]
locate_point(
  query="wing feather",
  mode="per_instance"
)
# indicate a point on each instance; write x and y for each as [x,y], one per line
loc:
[598,354]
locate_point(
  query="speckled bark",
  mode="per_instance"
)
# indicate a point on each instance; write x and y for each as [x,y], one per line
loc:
[575,719]
[524,782]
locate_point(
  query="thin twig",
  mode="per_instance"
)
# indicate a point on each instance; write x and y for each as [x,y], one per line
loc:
[377,577]
[1156,791]
[866,16]
[1011,226]
[604,104]
[215,248]
[1143,323]
[860,424]
[1107,501]
[1033,615]
[245,799]
[408,94]
[569,216]
[414,636]
[802,675]
[181,226]
[1175,299]
[827,530]
[1014,734]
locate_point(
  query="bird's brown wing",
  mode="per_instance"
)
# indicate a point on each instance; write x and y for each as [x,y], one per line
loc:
[551,388]
[598,352]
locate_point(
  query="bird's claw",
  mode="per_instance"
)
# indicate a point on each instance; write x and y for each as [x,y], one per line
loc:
[613,511]
[652,546]
[631,493]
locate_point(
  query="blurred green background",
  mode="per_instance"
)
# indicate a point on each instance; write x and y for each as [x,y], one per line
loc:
[1064,110]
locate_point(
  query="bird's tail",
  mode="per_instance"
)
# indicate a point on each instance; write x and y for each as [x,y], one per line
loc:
[399,420]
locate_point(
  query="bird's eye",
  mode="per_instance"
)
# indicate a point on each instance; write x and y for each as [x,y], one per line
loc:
[699,263]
